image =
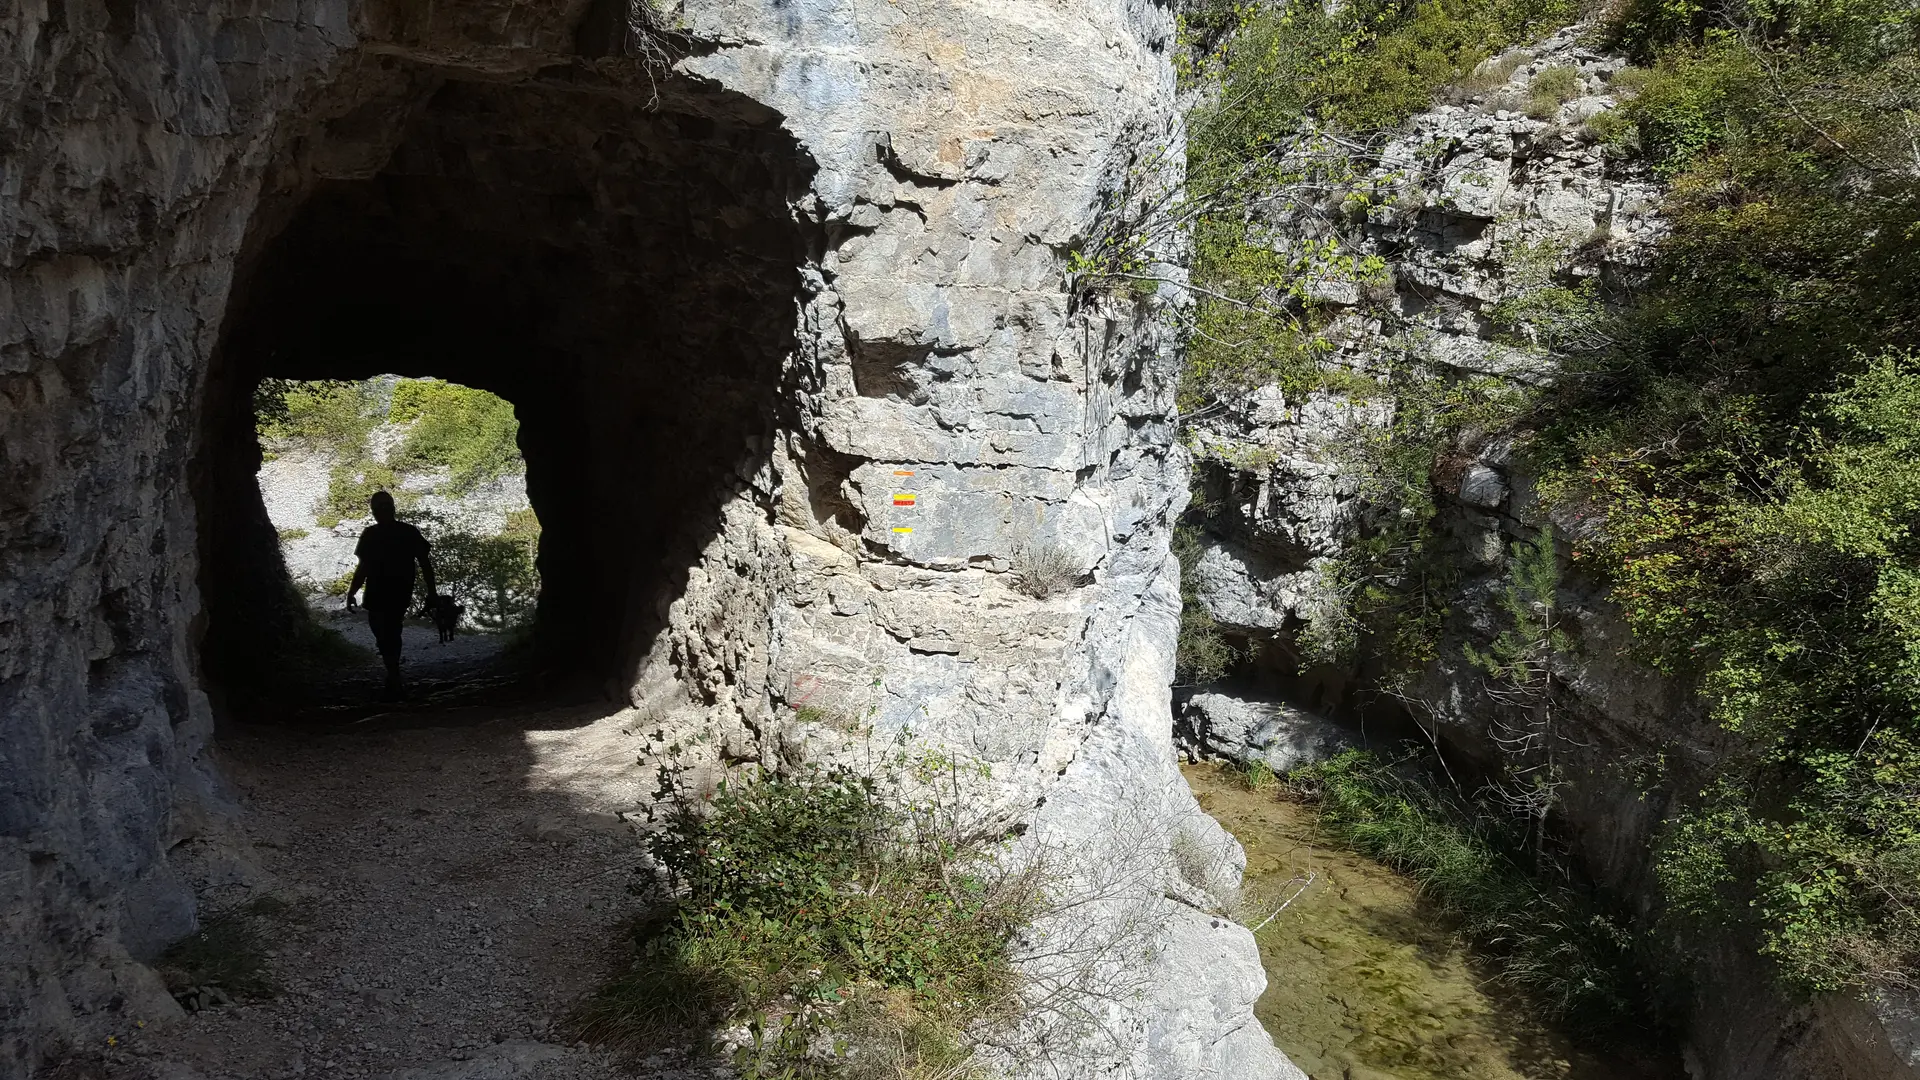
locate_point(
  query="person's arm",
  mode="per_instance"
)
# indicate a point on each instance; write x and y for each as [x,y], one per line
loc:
[359,569]
[426,566]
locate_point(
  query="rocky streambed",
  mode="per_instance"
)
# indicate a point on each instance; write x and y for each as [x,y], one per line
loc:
[1366,983]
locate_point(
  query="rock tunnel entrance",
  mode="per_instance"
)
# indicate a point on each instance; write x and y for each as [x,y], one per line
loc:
[621,266]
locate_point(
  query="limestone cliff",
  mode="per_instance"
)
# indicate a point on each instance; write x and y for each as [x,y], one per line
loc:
[750,271]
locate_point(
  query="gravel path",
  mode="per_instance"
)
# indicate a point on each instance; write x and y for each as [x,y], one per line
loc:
[454,891]
[422,652]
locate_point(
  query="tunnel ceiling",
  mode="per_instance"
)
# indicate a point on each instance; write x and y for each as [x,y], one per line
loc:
[621,265]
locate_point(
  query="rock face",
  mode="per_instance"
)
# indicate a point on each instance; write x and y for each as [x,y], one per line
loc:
[1477,209]
[1273,733]
[1494,206]
[778,290]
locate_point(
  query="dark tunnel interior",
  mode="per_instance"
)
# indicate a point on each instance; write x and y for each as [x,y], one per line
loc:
[624,273]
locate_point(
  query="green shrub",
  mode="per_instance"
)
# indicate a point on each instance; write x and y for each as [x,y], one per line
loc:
[1202,653]
[1256,775]
[1550,89]
[813,908]
[1571,959]
[328,415]
[1610,127]
[1290,69]
[471,433]
[1743,448]
[350,485]
[494,577]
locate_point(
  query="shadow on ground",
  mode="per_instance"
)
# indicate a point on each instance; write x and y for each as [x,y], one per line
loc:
[433,886]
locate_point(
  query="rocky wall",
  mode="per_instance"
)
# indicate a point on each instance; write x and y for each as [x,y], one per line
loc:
[1489,205]
[843,222]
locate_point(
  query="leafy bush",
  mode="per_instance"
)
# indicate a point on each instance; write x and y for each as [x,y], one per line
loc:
[325,414]
[1743,448]
[1570,958]
[350,486]
[1293,75]
[810,907]
[1201,654]
[494,577]
[1256,775]
[1551,89]
[471,433]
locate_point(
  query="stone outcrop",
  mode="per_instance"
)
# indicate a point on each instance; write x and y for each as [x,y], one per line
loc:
[751,272]
[1278,735]
[1490,206]
[1471,205]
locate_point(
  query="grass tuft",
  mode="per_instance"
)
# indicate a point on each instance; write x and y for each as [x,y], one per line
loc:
[1045,571]
[1256,775]
[813,913]
[1550,89]
[1494,73]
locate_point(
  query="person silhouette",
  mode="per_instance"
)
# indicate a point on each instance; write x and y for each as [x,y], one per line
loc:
[388,551]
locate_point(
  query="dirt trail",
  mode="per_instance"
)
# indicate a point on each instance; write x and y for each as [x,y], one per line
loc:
[454,890]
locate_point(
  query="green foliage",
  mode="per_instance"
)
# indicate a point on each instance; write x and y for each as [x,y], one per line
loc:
[494,577]
[471,433]
[1571,959]
[1202,654]
[1361,67]
[1742,449]
[1551,89]
[1800,623]
[327,414]
[1852,29]
[1540,311]
[1298,89]
[812,908]
[334,418]
[351,484]
[1389,590]
[1519,654]
[1256,775]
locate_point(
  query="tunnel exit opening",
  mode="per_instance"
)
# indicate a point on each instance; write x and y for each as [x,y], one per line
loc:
[449,458]
[624,272]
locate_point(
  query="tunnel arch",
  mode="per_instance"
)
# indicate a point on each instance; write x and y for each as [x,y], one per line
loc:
[621,261]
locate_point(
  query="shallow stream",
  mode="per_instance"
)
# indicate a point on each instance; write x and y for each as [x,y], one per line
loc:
[1366,983]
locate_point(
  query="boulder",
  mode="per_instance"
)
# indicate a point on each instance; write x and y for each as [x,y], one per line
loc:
[1217,725]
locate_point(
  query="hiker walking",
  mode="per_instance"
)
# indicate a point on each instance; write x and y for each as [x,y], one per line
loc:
[387,551]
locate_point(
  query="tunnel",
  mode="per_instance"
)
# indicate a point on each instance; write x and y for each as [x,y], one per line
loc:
[620,262]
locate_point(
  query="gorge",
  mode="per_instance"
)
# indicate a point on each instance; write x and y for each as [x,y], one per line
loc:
[854,380]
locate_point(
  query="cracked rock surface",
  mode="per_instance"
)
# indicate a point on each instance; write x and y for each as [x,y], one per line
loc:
[753,276]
